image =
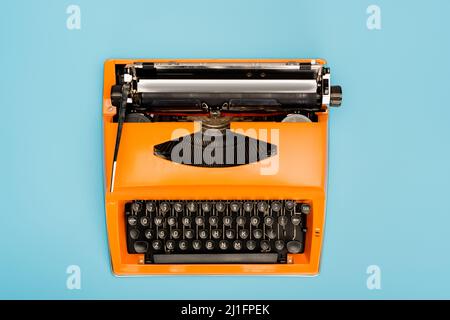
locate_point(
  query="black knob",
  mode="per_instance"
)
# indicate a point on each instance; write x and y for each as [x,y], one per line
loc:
[336,96]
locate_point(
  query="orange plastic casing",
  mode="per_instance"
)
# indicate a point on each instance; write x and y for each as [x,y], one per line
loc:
[298,172]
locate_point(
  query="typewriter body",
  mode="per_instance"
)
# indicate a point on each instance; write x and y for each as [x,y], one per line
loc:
[216,166]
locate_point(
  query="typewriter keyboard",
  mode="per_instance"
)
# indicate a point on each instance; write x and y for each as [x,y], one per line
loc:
[216,232]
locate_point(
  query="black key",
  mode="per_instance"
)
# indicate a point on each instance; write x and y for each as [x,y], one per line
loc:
[254,221]
[189,233]
[240,221]
[159,220]
[206,207]
[175,234]
[289,205]
[213,220]
[243,234]
[178,207]
[248,207]
[271,234]
[144,221]
[196,244]
[268,220]
[141,246]
[220,207]
[164,207]
[162,233]
[279,245]
[263,206]
[209,245]
[265,245]
[234,206]
[134,234]
[305,208]
[186,221]
[199,220]
[223,244]
[251,244]
[282,221]
[227,220]
[257,234]
[276,206]
[171,221]
[230,233]
[296,219]
[237,245]
[150,206]
[203,234]
[136,206]
[183,244]
[192,206]
[157,245]
[132,220]
[216,258]
[216,233]
[294,246]
[148,234]
[170,245]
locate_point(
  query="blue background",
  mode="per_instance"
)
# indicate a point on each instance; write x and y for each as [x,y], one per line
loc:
[389,177]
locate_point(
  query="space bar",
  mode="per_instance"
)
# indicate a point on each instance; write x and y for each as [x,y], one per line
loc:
[215,258]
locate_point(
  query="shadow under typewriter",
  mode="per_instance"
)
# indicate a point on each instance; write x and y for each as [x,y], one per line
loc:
[215,148]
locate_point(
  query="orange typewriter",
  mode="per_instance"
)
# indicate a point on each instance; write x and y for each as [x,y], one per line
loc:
[216,166]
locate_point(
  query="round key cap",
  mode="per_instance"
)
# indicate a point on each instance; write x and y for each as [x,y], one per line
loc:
[216,233]
[150,206]
[257,233]
[178,207]
[206,207]
[282,221]
[251,244]
[248,207]
[164,207]
[279,245]
[268,220]
[209,245]
[305,208]
[170,245]
[227,220]
[186,221]
[294,246]
[199,220]
[213,220]
[192,206]
[144,221]
[263,206]
[230,234]
[271,234]
[171,221]
[157,245]
[132,220]
[223,244]
[183,245]
[162,233]
[243,234]
[237,245]
[265,245]
[175,234]
[289,205]
[240,221]
[276,206]
[234,206]
[189,233]
[220,207]
[140,246]
[296,219]
[254,221]
[196,244]
[148,234]
[136,206]
[134,234]
[158,220]
[203,234]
